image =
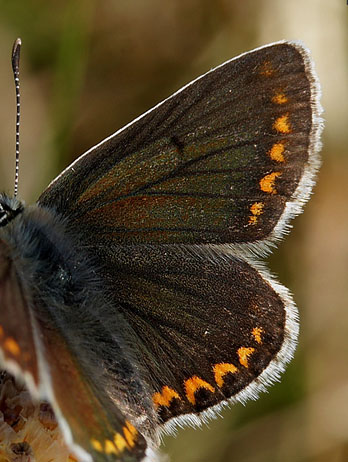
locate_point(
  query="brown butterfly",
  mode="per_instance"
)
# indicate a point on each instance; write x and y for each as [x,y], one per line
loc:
[132,298]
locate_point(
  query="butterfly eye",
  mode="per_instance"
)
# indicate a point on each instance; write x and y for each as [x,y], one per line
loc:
[3,216]
[8,211]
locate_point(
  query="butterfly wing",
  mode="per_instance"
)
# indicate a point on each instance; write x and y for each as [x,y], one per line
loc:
[17,342]
[34,347]
[93,420]
[230,158]
[209,326]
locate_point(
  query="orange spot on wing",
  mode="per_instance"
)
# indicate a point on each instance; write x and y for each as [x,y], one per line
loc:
[131,428]
[280,98]
[12,346]
[256,210]
[220,370]
[1,331]
[267,69]
[276,152]
[243,354]
[96,445]
[267,183]
[130,433]
[110,447]
[120,442]
[282,124]
[165,397]
[256,333]
[193,384]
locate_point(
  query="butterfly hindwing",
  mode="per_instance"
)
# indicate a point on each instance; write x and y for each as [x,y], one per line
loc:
[209,326]
[215,163]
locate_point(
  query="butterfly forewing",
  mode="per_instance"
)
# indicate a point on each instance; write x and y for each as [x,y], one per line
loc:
[215,163]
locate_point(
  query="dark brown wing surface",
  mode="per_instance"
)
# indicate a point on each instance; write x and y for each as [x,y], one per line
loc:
[209,327]
[217,162]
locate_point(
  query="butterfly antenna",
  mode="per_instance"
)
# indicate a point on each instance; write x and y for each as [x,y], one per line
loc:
[15,67]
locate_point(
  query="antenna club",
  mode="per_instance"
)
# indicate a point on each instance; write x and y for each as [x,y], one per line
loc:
[16,54]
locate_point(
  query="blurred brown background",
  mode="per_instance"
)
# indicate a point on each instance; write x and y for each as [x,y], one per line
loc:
[88,67]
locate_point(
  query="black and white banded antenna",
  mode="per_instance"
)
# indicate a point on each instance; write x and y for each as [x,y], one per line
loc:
[16,50]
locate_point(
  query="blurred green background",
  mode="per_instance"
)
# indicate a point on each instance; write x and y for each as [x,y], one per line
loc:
[88,67]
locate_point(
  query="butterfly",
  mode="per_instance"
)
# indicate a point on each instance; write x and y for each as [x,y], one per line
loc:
[132,294]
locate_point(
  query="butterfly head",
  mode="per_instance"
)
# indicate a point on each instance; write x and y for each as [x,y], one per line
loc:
[10,207]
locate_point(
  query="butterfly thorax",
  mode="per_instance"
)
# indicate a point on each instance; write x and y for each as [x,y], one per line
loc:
[33,238]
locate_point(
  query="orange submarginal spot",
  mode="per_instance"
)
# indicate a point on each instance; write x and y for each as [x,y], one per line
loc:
[243,354]
[267,183]
[267,69]
[1,331]
[280,98]
[165,397]
[193,384]
[256,333]
[110,447]
[12,346]
[256,210]
[97,445]
[282,124]
[120,442]
[277,152]
[130,433]
[220,370]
